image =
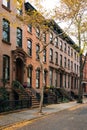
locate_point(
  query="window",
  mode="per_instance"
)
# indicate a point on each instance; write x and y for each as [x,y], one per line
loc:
[6,3]
[37,32]
[68,50]
[75,55]
[44,55]
[29,77]
[44,37]
[56,58]
[60,60]
[19,8]
[19,37]
[30,28]
[77,58]
[61,45]
[65,62]
[51,77]
[65,47]
[68,63]
[51,37]
[45,77]
[65,80]
[68,81]
[29,45]
[75,67]
[51,55]
[56,42]
[72,65]
[37,78]
[6,30]
[37,51]
[56,79]
[71,52]
[6,67]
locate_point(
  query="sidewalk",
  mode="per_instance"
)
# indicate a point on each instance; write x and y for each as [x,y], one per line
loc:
[29,114]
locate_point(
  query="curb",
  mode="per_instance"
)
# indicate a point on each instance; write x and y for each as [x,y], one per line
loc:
[35,118]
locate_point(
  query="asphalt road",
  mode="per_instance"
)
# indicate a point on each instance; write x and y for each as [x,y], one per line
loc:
[71,119]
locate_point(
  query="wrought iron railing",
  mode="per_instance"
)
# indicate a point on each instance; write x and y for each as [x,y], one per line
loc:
[14,105]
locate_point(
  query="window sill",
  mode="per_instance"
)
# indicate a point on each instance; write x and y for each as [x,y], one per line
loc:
[29,56]
[38,37]
[51,43]
[52,62]
[7,8]
[18,47]
[57,47]
[37,59]
[56,64]
[6,42]
[29,32]
[44,62]
[61,49]
[19,16]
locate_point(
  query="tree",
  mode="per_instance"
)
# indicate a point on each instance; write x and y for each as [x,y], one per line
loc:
[75,11]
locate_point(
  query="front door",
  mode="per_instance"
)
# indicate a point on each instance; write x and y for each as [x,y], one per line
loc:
[19,70]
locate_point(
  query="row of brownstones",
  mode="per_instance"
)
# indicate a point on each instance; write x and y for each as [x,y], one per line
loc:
[19,59]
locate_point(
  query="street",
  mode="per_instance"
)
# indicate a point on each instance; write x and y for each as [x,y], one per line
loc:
[72,119]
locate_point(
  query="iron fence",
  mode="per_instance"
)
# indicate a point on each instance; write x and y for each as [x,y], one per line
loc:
[14,105]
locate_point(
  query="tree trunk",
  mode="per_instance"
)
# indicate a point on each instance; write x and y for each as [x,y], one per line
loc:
[42,87]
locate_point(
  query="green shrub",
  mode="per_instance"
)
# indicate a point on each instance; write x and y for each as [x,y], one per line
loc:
[17,85]
[3,94]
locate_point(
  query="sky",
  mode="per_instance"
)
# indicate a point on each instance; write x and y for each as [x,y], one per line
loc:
[49,5]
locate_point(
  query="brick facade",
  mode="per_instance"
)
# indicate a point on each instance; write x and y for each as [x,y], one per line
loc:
[62,76]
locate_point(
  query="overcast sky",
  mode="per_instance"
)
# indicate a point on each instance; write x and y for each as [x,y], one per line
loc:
[49,5]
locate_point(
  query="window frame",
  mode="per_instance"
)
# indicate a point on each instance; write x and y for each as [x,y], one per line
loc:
[29,74]
[6,3]
[37,32]
[29,28]
[37,50]
[56,58]
[51,55]
[61,60]
[51,77]
[6,67]
[44,55]
[38,78]
[19,37]
[56,42]
[29,41]
[6,30]
[51,37]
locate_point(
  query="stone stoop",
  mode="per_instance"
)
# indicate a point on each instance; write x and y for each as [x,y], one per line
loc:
[34,99]
[22,94]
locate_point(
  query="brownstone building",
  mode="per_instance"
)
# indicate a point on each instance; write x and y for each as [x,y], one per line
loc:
[85,77]
[19,59]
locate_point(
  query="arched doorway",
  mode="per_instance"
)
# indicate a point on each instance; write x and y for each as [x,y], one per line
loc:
[19,70]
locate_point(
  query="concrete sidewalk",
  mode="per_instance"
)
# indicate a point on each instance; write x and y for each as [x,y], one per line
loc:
[29,114]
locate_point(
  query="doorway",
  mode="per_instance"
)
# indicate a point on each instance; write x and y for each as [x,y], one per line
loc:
[19,70]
